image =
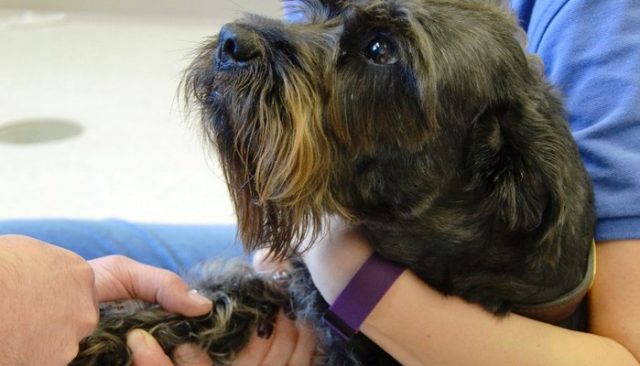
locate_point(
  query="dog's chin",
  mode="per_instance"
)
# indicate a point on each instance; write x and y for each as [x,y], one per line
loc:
[266,219]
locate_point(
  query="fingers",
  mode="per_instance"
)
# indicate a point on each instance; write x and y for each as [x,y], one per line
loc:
[292,343]
[254,352]
[191,355]
[119,277]
[305,347]
[289,343]
[146,351]
[284,342]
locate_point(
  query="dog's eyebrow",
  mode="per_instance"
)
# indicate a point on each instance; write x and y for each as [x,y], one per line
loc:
[376,16]
[295,11]
[310,11]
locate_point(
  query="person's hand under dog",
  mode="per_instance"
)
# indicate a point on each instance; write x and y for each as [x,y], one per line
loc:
[147,352]
[287,342]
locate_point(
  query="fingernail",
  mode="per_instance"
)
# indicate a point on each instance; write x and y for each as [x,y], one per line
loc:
[265,330]
[138,339]
[199,298]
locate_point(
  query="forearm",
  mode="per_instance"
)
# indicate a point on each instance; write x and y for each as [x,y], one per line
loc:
[418,325]
[7,305]
[7,262]
[449,331]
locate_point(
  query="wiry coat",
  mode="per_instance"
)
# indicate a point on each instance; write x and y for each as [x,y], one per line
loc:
[422,122]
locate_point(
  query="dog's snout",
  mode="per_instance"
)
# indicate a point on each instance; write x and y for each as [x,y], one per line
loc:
[237,44]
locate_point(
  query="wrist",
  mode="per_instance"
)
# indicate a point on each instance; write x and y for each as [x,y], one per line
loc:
[361,295]
[335,259]
[330,283]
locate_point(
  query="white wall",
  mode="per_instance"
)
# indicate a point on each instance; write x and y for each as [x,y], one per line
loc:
[112,67]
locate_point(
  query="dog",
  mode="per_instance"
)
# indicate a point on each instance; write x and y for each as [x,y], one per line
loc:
[424,124]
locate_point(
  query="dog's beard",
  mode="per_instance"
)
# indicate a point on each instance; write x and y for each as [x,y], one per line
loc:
[267,126]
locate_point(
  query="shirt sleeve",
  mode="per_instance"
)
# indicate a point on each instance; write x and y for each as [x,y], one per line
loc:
[591,53]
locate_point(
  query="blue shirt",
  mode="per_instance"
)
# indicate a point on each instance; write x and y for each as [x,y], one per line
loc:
[591,53]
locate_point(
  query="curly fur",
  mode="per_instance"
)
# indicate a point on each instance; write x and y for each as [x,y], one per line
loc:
[243,300]
[455,159]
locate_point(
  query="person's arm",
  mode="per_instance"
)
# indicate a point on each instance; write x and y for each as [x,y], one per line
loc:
[614,300]
[430,329]
[47,302]
[419,326]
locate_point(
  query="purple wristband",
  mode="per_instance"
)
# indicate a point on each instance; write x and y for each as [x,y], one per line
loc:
[361,295]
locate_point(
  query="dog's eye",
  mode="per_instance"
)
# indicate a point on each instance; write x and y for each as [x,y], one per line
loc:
[381,51]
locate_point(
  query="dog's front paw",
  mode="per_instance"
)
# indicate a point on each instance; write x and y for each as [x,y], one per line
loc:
[244,302]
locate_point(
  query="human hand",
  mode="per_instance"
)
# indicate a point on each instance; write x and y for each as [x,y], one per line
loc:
[287,342]
[119,277]
[48,302]
[147,352]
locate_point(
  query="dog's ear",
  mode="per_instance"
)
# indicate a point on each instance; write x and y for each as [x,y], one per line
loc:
[513,153]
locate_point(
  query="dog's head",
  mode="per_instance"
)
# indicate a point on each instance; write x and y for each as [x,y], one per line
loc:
[371,109]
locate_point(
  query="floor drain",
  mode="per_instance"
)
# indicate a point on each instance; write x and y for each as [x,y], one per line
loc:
[38,130]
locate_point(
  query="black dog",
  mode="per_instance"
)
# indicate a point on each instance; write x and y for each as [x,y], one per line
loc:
[425,124]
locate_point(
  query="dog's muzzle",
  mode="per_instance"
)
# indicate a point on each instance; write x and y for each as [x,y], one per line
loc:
[237,46]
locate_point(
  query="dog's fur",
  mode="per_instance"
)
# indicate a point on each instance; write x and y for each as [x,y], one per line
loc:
[450,152]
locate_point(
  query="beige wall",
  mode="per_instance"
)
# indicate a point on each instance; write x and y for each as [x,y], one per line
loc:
[204,8]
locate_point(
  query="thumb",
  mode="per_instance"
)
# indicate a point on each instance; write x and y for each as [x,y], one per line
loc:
[146,351]
[118,277]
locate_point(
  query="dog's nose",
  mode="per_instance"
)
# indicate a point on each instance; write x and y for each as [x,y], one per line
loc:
[237,44]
